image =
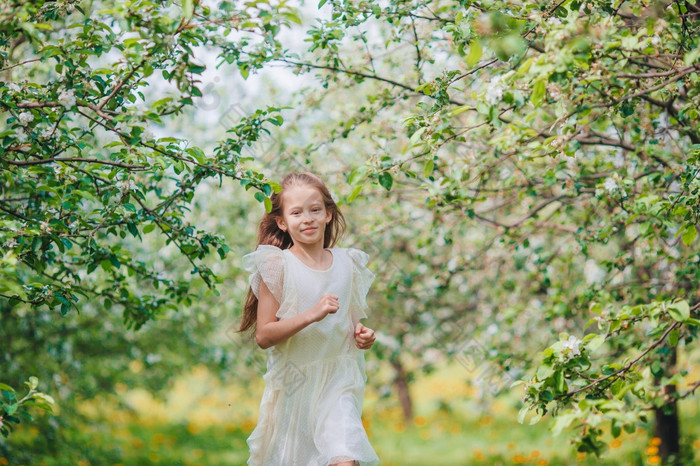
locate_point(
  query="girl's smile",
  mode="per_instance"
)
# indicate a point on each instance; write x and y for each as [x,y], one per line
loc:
[304,215]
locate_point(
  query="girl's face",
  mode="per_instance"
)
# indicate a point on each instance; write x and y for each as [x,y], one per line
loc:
[304,214]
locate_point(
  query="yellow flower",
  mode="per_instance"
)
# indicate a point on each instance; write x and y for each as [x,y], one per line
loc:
[652,450]
[248,425]
[616,443]
[654,459]
[420,421]
[193,428]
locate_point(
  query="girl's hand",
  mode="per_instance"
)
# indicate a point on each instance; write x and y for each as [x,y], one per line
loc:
[364,336]
[328,304]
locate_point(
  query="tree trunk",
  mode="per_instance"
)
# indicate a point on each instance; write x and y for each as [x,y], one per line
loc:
[667,425]
[401,382]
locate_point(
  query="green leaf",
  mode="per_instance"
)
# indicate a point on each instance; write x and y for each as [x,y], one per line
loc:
[544,371]
[355,192]
[428,168]
[673,337]
[679,311]
[386,180]
[33,382]
[416,135]
[596,342]
[537,92]
[268,205]
[560,382]
[522,413]
[562,422]
[188,8]
[475,53]
[460,109]
[689,233]
[615,430]
[6,387]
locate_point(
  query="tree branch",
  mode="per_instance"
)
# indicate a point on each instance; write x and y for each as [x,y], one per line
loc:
[627,367]
[363,75]
[21,163]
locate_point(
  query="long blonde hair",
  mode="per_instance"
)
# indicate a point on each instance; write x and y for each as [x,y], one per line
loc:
[270,233]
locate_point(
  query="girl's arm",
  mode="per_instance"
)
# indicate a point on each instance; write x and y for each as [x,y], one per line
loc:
[270,331]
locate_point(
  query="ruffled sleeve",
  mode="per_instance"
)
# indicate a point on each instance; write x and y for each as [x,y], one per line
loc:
[362,279]
[266,264]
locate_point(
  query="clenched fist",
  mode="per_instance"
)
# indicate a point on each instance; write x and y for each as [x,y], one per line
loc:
[328,304]
[364,336]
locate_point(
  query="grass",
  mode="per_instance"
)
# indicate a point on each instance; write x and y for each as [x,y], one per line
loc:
[201,422]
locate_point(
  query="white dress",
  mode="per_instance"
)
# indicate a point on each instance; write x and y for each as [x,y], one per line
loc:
[310,412]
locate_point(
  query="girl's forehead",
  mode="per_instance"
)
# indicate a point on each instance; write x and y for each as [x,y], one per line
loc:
[300,195]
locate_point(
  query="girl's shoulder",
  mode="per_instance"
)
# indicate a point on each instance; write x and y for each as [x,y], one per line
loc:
[357,257]
[264,254]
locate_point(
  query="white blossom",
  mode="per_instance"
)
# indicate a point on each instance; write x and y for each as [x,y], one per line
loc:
[554,92]
[67,98]
[11,243]
[592,272]
[432,355]
[44,225]
[387,340]
[14,87]
[494,91]
[126,185]
[21,137]
[152,358]
[26,117]
[619,161]
[46,133]
[572,344]
[655,40]
[610,184]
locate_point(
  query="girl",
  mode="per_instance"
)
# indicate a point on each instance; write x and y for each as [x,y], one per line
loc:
[305,301]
